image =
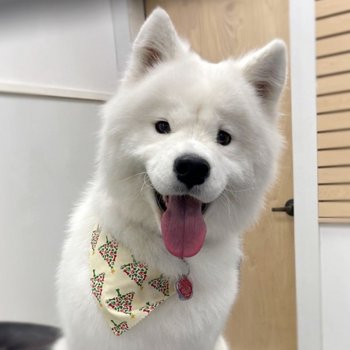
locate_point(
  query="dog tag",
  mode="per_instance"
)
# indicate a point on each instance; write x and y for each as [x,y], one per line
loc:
[184,288]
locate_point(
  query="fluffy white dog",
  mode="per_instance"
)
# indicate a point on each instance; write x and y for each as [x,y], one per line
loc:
[187,151]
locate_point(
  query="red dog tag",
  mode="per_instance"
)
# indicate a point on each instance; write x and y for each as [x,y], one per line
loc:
[184,288]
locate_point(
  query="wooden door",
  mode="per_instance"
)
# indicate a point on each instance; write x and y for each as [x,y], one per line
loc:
[264,315]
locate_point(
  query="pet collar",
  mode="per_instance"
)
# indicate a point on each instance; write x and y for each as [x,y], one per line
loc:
[125,289]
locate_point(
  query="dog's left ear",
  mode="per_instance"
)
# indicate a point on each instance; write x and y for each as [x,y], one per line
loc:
[156,42]
[266,70]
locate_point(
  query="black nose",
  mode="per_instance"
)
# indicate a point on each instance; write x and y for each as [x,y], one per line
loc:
[191,169]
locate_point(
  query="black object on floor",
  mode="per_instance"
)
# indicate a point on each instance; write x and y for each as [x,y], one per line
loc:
[27,336]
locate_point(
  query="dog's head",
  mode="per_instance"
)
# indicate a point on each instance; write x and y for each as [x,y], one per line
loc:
[187,143]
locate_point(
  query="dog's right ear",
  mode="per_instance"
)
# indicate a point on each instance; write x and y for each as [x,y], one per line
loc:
[156,42]
[265,70]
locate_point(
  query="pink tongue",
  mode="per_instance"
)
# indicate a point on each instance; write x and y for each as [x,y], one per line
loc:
[183,226]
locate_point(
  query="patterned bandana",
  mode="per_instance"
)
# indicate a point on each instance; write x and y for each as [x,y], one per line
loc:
[126,290]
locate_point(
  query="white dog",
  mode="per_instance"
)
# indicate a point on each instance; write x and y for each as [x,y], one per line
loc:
[187,151]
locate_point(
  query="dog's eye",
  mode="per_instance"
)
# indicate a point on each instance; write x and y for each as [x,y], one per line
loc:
[223,138]
[163,127]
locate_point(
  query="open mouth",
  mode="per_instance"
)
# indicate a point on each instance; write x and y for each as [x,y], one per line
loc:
[162,200]
[182,224]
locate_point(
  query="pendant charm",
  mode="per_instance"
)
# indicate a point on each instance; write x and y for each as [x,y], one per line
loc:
[184,288]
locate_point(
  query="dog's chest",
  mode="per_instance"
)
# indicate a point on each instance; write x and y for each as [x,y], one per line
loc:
[194,324]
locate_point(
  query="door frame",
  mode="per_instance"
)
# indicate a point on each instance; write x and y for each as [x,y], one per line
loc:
[304,127]
[128,17]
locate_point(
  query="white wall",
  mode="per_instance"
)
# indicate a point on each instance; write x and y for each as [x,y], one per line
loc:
[65,43]
[335,275]
[47,148]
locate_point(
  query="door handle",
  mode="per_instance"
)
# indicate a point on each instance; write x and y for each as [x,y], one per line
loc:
[288,208]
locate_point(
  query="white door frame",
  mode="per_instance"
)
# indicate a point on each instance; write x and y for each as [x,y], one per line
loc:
[128,17]
[304,126]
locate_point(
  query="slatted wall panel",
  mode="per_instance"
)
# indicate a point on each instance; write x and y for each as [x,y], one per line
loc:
[333,109]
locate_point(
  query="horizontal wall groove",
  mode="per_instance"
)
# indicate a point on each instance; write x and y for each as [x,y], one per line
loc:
[333,54]
[335,14]
[344,217]
[333,183]
[335,201]
[333,74]
[334,166]
[333,149]
[334,112]
[332,35]
[332,130]
[335,131]
[333,93]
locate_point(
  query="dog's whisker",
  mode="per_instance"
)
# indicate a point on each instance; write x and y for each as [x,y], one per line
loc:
[147,182]
[130,177]
[233,190]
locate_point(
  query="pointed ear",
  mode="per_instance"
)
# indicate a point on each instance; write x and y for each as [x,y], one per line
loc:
[156,42]
[266,70]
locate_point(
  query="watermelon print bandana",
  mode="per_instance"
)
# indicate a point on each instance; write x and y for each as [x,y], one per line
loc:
[125,289]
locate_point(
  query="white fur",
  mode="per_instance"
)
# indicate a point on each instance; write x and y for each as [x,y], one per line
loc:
[167,81]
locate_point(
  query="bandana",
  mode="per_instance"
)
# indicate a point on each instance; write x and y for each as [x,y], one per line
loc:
[126,289]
